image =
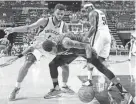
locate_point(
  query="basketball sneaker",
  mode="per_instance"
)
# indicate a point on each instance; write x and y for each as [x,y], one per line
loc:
[13,94]
[66,89]
[127,98]
[53,93]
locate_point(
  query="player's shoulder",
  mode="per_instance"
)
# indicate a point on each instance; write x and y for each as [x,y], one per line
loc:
[43,21]
[93,13]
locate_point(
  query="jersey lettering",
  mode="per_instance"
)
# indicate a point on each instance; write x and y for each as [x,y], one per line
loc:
[51,31]
[104,20]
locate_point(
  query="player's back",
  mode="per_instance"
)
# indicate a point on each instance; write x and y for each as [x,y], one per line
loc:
[101,20]
[72,36]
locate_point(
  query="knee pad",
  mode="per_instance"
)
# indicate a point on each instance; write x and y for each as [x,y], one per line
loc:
[30,58]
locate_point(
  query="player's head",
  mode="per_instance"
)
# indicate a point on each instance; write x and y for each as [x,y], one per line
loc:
[83,12]
[49,46]
[59,11]
[89,7]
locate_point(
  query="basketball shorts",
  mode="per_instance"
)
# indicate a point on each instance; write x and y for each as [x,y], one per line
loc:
[101,42]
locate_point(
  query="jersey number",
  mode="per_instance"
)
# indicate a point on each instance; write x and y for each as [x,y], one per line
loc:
[104,20]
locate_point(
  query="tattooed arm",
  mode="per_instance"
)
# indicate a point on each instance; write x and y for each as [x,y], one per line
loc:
[93,18]
[68,43]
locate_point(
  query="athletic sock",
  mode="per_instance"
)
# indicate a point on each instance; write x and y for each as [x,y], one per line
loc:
[55,84]
[121,89]
[64,84]
[18,84]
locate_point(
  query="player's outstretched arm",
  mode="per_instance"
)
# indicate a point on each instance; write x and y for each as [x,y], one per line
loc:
[26,28]
[68,43]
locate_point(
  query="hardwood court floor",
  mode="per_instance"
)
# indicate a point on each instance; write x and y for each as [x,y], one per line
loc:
[38,82]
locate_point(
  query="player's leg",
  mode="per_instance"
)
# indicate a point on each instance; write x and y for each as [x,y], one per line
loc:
[90,72]
[103,69]
[53,66]
[97,44]
[65,76]
[29,60]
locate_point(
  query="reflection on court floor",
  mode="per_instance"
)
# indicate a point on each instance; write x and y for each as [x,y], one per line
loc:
[38,82]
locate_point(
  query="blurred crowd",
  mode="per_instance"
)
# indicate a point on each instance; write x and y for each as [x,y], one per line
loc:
[120,13]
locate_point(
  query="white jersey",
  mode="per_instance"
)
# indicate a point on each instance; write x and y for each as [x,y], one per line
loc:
[49,31]
[101,39]
[133,45]
[101,21]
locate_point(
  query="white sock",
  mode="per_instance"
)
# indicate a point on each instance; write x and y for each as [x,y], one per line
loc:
[57,87]
[89,74]
[64,84]
[18,84]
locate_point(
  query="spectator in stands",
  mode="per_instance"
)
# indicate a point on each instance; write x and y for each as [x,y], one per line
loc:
[113,42]
[11,38]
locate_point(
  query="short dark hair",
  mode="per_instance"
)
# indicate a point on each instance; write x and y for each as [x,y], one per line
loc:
[48,45]
[83,10]
[60,7]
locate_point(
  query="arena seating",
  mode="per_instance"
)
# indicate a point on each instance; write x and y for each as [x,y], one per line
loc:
[120,14]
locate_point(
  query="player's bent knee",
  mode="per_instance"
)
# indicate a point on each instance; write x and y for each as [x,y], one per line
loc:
[52,64]
[30,58]
[65,67]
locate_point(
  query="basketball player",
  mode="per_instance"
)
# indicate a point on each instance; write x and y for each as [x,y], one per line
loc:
[101,37]
[133,45]
[99,33]
[73,46]
[52,26]
[4,47]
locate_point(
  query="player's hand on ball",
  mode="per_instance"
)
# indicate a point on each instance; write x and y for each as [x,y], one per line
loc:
[8,30]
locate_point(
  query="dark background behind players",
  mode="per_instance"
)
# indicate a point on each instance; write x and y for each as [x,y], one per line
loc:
[11,38]
[120,16]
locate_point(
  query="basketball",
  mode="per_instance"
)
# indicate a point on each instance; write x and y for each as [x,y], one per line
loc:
[86,94]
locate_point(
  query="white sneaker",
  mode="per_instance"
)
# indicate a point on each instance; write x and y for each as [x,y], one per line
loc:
[127,99]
